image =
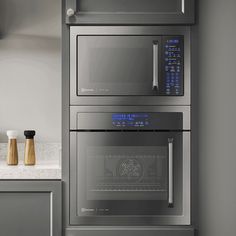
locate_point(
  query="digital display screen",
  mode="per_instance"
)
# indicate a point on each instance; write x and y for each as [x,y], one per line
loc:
[130,119]
[170,41]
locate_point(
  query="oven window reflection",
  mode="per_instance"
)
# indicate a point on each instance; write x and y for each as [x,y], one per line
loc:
[126,173]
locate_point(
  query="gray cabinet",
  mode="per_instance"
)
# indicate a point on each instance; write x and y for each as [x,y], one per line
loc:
[1,19]
[130,231]
[30,208]
[149,12]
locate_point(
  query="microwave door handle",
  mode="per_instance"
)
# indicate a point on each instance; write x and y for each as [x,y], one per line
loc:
[155,84]
[171,172]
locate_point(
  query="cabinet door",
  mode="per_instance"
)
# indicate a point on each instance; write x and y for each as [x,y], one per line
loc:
[30,208]
[130,11]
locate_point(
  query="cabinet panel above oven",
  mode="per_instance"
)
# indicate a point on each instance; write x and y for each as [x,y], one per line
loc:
[130,12]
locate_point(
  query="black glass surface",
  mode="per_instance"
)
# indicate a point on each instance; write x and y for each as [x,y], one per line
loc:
[124,65]
[126,173]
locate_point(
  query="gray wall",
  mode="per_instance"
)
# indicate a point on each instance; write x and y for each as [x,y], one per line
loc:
[30,68]
[217,117]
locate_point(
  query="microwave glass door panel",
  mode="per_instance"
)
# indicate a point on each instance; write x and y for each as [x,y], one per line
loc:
[130,65]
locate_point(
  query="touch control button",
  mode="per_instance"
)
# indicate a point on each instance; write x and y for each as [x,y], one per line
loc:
[173,66]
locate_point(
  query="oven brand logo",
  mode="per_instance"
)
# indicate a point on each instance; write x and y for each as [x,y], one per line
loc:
[87,209]
[87,90]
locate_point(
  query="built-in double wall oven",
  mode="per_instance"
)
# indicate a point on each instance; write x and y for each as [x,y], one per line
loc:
[129,126]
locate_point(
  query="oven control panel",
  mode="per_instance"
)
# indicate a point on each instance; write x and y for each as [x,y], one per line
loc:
[130,120]
[104,121]
[173,65]
[146,121]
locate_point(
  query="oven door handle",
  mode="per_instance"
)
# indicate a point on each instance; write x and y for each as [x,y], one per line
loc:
[155,82]
[171,172]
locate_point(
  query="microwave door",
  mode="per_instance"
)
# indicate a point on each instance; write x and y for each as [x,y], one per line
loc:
[118,65]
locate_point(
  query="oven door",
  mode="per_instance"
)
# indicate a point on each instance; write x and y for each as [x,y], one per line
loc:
[129,65]
[116,65]
[130,178]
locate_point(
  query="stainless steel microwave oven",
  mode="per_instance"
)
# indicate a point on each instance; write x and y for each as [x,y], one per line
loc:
[129,65]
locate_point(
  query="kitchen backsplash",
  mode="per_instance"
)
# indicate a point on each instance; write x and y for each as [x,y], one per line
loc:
[44,152]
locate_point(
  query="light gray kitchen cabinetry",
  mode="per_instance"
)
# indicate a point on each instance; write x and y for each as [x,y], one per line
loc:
[30,208]
[128,12]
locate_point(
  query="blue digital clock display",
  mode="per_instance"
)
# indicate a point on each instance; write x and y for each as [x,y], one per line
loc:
[130,119]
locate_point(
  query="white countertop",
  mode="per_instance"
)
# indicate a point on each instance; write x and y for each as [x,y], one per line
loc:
[48,163]
[42,170]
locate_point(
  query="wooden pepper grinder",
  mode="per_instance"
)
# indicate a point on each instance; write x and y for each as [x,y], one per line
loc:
[12,154]
[29,147]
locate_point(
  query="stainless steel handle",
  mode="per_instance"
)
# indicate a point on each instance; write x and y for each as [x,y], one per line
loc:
[171,171]
[155,66]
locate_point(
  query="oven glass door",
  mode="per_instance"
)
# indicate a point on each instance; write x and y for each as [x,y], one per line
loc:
[129,65]
[115,65]
[126,174]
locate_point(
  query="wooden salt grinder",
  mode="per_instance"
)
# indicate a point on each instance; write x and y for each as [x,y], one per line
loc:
[12,154]
[29,147]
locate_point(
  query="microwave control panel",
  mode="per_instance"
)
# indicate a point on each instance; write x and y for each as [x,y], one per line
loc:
[173,65]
